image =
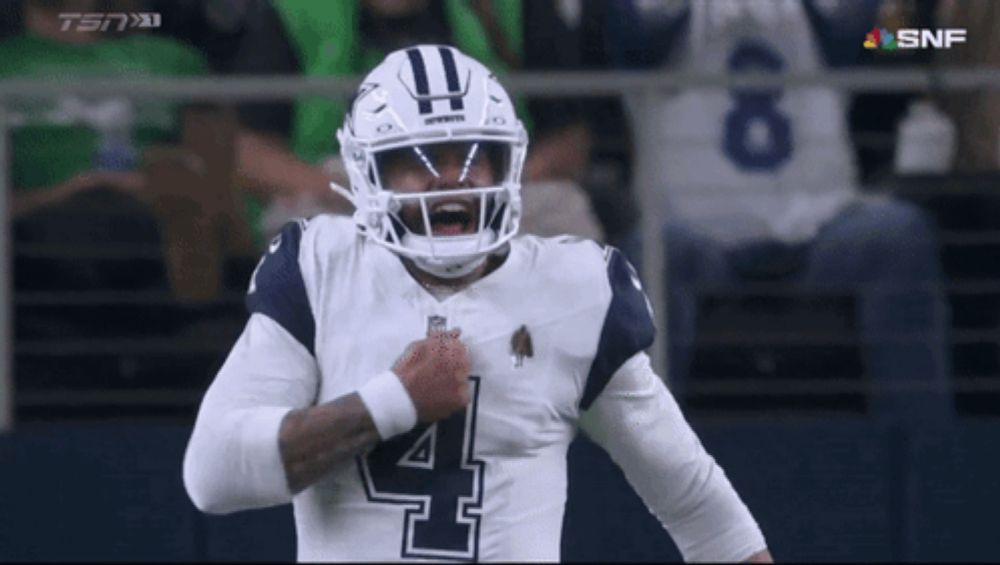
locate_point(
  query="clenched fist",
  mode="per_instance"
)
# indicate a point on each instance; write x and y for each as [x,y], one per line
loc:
[435,371]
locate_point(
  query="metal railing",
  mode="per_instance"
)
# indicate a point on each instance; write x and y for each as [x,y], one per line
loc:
[6,282]
[549,84]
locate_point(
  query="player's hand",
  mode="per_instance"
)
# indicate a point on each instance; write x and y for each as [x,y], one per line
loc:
[435,371]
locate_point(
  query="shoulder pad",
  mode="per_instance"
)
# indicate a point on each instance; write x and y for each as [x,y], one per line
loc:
[628,325]
[277,289]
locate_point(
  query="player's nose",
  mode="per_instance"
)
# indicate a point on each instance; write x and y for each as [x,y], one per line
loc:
[451,175]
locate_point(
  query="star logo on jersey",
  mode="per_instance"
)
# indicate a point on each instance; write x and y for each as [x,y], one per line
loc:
[275,244]
[520,346]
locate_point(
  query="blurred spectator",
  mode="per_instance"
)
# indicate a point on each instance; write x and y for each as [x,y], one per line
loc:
[229,35]
[58,146]
[976,113]
[246,37]
[760,184]
[348,38]
[74,150]
[608,180]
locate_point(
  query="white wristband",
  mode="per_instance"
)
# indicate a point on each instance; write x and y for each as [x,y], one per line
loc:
[389,404]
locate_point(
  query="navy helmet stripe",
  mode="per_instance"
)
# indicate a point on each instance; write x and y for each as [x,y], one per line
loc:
[420,78]
[451,75]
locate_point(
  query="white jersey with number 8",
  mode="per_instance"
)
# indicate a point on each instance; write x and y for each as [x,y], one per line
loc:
[746,164]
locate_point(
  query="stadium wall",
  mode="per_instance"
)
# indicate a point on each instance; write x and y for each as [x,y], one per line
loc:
[837,489]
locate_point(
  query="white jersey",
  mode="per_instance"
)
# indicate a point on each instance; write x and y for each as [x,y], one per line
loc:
[741,165]
[555,337]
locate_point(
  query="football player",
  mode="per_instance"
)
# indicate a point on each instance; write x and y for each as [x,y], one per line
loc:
[411,378]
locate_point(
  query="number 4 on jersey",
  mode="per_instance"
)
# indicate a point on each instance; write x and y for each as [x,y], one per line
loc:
[432,472]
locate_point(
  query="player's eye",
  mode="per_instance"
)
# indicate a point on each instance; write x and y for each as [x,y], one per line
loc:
[479,163]
[404,161]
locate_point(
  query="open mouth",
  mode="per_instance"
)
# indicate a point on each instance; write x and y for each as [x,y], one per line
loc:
[452,218]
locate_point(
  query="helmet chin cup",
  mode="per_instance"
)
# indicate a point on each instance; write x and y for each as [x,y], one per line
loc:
[450,269]
[449,257]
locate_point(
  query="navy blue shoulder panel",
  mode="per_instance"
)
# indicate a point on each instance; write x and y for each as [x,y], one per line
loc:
[277,289]
[628,325]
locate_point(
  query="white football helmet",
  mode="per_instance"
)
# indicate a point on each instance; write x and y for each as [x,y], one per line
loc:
[434,152]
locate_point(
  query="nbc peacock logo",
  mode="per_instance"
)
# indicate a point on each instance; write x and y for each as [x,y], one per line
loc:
[880,38]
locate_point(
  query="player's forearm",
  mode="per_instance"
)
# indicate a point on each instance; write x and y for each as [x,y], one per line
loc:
[313,441]
[233,461]
[637,421]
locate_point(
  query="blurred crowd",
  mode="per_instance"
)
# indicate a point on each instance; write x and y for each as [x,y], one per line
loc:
[777,185]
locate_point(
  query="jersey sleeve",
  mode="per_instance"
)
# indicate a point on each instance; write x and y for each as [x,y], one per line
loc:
[638,423]
[278,290]
[233,461]
[628,325]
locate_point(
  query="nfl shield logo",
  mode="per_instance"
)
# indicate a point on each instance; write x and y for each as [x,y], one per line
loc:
[436,324]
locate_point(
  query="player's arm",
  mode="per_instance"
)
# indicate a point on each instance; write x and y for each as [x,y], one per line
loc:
[313,441]
[233,461]
[260,438]
[428,382]
[636,420]
[627,410]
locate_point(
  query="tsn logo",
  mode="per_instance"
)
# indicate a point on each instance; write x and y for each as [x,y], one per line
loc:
[101,21]
[914,38]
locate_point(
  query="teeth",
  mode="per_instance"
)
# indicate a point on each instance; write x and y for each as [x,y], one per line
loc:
[451,207]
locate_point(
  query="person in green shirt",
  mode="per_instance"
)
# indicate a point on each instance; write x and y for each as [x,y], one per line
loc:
[75,160]
[71,144]
[348,37]
[65,146]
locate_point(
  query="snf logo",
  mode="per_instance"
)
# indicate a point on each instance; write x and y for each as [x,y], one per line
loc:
[914,38]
